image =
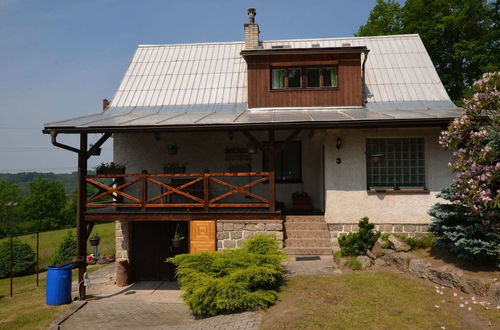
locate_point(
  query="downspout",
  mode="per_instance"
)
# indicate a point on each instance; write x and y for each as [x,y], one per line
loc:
[364,98]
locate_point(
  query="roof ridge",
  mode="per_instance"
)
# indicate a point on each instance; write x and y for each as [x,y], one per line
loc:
[277,40]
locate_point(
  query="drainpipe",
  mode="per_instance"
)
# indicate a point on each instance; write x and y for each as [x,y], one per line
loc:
[364,98]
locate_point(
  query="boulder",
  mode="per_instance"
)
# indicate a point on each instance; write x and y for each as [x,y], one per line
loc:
[494,293]
[364,261]
[377,250]
[380,262]
[399,259]
[398,245]
[371,255]
[419,268]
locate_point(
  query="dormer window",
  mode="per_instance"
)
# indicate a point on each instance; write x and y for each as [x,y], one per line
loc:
[303,78]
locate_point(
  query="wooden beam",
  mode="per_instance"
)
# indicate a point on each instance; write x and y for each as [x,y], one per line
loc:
[98,144]
[81,229]
[163,216]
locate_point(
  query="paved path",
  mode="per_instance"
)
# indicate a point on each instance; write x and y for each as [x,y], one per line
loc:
[146,305]
[310,265]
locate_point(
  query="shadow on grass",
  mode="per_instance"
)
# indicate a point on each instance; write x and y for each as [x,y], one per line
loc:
[472,265]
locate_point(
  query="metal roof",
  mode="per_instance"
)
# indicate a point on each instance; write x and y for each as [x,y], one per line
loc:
[206,84]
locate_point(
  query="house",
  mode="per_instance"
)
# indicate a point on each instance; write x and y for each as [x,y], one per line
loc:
[299,138]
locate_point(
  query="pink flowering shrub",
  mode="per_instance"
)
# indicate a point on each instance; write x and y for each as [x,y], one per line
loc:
[469,225]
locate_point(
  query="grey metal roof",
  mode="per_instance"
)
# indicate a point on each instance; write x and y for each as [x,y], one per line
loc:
[206,84]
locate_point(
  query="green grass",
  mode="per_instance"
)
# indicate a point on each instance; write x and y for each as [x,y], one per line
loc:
[368,300]
[27,308]
[49,242]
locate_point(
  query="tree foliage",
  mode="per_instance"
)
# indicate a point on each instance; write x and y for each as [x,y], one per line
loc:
[461,36]
[24,259]
[470,224]
[66,250]
[10,202]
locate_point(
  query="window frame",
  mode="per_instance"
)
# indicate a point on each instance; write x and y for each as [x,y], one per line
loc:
[398,156]
[279,180]
[303,77]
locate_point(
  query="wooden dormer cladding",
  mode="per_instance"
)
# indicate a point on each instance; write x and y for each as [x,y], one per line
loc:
[346,60]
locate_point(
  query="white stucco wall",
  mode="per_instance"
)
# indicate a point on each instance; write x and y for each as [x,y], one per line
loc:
[347,199]
[207,150]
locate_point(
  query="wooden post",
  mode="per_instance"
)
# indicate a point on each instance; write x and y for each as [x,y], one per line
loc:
[81,228]
[11,270]
[272,192]
[271,154]
[37,255]
[205,192]
[144,190]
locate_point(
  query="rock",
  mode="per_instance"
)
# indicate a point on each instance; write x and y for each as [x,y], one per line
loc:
[364,261]
[456,279]
[419,268]
[494,292]
[371,255]
[399,259]
[380,262]
[397,244]
[388,251]
[377,250]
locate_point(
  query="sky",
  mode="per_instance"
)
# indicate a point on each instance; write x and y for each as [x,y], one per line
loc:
[60,58]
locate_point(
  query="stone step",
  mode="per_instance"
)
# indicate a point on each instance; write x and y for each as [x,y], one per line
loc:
[300,251]
[304,218]
[309,242]
[308,234]
[306,226]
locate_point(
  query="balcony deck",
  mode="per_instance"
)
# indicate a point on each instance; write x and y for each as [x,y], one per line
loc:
[181,196]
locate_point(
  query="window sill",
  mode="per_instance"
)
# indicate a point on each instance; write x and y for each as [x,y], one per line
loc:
[403,191]
[309,89]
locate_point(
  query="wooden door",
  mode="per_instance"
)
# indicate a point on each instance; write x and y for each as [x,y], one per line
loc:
[201,236]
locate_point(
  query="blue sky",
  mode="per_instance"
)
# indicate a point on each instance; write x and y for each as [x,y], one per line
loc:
[60,58]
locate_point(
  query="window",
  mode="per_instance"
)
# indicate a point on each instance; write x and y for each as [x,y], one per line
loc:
[395,163]
[303,77]
[287,162]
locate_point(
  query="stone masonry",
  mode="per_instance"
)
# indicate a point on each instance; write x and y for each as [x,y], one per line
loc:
[340,229]
[231,233]
[122,239]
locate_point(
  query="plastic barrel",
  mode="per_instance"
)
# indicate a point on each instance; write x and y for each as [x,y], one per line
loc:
[58,289]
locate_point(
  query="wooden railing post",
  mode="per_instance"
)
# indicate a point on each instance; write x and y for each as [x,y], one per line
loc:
[144,190]
[272,192]
[205,192]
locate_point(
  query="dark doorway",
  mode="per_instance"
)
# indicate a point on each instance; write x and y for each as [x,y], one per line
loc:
[152,245]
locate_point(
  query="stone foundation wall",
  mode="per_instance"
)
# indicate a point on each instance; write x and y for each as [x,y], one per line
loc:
[122,239]
[231,233]
[339,229]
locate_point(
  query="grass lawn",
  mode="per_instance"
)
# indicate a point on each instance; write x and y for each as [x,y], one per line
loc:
[27,308]
[49,242]
[371,300]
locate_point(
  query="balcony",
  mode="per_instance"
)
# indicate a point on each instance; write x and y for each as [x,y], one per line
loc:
[181,196]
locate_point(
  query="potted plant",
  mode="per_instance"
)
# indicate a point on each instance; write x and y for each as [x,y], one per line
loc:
[110,168]
[94,240]
[301,201]
[172,148]
[174,167]
[177,240]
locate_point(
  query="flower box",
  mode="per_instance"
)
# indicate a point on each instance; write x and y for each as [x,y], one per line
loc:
[116,170]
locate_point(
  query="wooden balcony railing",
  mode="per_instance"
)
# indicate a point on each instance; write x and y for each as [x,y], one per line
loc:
[190,190]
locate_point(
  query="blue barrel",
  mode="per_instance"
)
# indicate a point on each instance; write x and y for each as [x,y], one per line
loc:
[58,289]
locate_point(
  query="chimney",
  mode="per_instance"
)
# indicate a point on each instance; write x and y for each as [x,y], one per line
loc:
[105,104]
[252,31]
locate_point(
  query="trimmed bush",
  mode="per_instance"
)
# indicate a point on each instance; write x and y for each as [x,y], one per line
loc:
[233,280]
[24,259]
[356,244]
[66,250]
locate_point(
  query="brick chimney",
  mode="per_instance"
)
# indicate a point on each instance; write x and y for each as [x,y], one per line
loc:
[252,31]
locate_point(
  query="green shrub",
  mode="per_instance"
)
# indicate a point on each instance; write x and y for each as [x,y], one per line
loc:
[231,280]
[24,259]
[353,263]
[66,250]
[356,244]
[337,255]
[420,242]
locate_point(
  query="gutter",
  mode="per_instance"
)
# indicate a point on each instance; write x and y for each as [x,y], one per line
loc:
[364,98]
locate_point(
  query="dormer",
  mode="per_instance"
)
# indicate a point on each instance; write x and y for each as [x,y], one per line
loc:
[282,76]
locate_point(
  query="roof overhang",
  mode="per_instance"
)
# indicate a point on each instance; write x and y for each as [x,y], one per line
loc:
[304,51]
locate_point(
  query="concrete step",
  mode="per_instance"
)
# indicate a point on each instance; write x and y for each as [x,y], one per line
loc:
[309,242]
[300,251]
[304,218]
[305,226]
[319,234]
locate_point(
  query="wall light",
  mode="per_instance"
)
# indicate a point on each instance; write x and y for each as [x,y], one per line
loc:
[338,143]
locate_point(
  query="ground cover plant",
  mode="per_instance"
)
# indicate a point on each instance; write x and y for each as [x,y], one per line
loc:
[425,241]
[356,244]
[231,280]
